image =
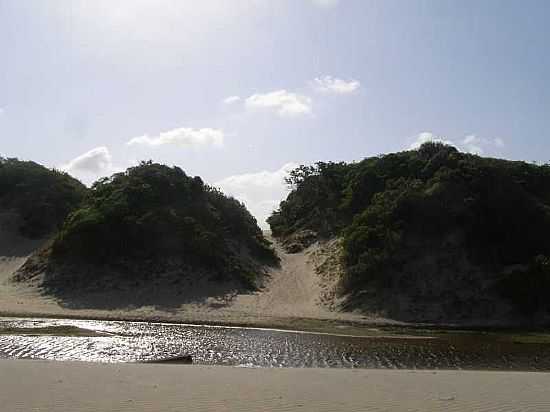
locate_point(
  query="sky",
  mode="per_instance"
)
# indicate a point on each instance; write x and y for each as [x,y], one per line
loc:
[241,91]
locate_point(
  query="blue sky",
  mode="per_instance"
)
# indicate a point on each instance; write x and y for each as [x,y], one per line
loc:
[240,91]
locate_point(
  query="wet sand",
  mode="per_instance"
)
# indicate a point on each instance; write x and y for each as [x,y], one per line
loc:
[82,387]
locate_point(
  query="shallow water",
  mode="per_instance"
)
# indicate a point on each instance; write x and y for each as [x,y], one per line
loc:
[112,341]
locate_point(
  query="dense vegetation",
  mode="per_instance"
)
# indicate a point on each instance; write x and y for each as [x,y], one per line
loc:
[152,214]
[412,216]
[42,197]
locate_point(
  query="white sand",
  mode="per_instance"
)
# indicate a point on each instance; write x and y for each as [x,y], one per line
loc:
[294,290]
[82,387]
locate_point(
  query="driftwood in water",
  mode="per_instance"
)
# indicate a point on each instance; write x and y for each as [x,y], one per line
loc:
[179,359]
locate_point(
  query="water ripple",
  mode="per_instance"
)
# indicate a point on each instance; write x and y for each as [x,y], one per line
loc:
[140,341]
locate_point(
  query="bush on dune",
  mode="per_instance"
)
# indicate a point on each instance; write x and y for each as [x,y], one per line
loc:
[154,212]
[40,196]
[390,209]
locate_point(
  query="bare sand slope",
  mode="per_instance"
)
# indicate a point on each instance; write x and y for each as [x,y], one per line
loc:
[81,387]
[292,290]
[14,252]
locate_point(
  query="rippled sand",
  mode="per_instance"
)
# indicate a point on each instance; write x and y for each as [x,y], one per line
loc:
[81,387]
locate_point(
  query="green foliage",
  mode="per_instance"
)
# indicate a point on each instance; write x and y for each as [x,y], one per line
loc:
[314,202]
[374,236]
[528,290]
[153,212]
[500,210]
[42,197]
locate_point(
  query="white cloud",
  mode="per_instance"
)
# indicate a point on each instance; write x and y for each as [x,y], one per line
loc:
[326,3]
[469,144]
[426,137]
[92,165]
[184,136]
[231,99]
[1,111]
[261,192]
[478,145]
[95,161]
[472,144]
[329,84]
[283,102]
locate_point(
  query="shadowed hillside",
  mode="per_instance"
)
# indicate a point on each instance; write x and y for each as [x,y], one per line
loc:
[151,224]
[430,234]
[42,198]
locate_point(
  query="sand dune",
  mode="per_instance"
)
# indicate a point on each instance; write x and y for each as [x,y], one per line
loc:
[81,387]
[293,291]
[14,252]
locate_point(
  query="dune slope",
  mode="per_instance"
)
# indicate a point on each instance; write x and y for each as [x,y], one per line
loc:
[294,290]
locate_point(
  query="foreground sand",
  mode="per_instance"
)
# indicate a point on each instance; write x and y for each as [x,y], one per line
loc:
[82,387]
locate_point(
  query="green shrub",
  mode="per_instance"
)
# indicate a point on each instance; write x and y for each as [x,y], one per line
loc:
[528,290]
[154,212]
[42,197]
[497,210]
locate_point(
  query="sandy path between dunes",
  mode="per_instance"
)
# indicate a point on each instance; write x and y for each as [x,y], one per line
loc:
[66,386]
[293,290]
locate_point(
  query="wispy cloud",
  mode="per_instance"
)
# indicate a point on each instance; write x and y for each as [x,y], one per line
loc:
[231,99]
[284,103]
[478,145]
[426,137]
[329,84]
[470,143]
[261,192]
[327,4]
[291,104]
[184,136]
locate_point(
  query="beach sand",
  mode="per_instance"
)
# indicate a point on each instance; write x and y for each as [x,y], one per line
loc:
[82,387]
